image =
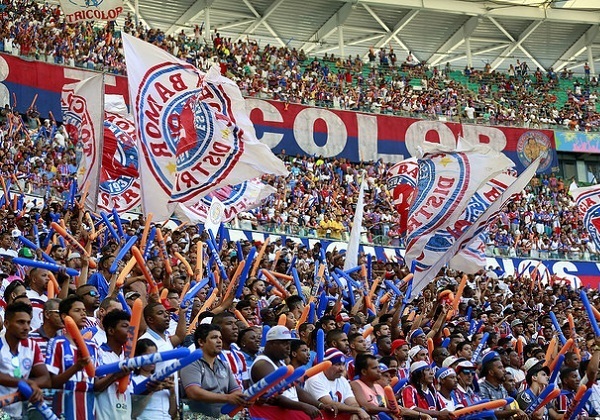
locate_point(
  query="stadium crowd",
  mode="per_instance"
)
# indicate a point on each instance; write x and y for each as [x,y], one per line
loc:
[380,83]
[73,308]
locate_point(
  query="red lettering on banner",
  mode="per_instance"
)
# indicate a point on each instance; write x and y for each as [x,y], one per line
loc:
[163,91]
[94,14]
[160,150]
[187,178]
[177,82]
[492,194]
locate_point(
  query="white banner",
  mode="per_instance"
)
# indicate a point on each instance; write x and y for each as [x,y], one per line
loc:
[81,105]
[85,10]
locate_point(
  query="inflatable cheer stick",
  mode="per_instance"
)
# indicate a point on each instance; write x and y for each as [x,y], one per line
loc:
[73,242]
[557,366]
[550,351]
[115,265]
[189,296]
[390,400]
[554,394]
[590,312]
[298,284]
[245,271]
[143,360]
[9,399]
[146,231]
[399,385]
[139,258]
[132,337]
[165,372]
[320,345]
[41,406]
[125,271]
[259,258]
[117,220]
[162,251]
[258,389]
[289,383]
[55,268]
[186,264]
[537,401]
[109,225]
[581,404]
[73,330]
[489,405]
[574,402]
[480,347]
[561,336]
[570,342]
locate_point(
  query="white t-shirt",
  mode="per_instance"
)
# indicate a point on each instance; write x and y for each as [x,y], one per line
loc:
[110,405]
[162,344]
[319,386]
[28,355]
[158,402]
[37,304]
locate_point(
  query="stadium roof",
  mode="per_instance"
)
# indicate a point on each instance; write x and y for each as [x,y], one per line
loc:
[545,33]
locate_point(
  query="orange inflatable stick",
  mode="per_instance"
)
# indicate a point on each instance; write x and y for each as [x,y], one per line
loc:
[75,334]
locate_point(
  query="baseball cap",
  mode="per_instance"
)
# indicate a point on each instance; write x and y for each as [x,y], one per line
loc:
[73,255]
[416,333]
[333,355]
[449,361]
[464,365]
[515,323]
[489,356]
[279,332]
[384,368]
[444,372]
[132,295]
[413,351]
[15,233]
[420,365]
[534,365]
[26,253]
[342,317]
[398,343]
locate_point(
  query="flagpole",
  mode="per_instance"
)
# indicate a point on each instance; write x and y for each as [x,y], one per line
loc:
[100,152]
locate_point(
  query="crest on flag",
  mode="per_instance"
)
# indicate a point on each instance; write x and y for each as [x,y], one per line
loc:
[119,176]
[588,204]
[402,184]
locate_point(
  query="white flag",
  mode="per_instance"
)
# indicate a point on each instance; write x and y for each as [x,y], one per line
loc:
[588,203]
[190,146]
[352,251]
[470,231]
[82,110]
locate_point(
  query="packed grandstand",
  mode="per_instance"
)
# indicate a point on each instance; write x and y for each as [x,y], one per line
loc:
[120,316]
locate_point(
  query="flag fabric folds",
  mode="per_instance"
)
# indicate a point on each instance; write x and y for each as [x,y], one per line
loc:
[446,183]
[82,112]
[119,186]
[193,130]
[402,184]
[466,232]
[588,204]
[235,199]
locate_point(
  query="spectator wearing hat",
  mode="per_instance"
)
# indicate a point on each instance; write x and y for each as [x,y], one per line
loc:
[208,382]
[400,350]
[491,386]
[91,299]
[420,394]
[517,329]
[368,392]
[448,383]
[537,376]
[332,388]
[74,260]
[465,375]
[277,350]
[389,370]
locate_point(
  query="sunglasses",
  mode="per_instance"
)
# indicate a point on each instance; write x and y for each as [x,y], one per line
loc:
[468,372]
[92,293]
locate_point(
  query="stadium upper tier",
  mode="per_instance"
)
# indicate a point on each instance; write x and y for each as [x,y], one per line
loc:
[382,83]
